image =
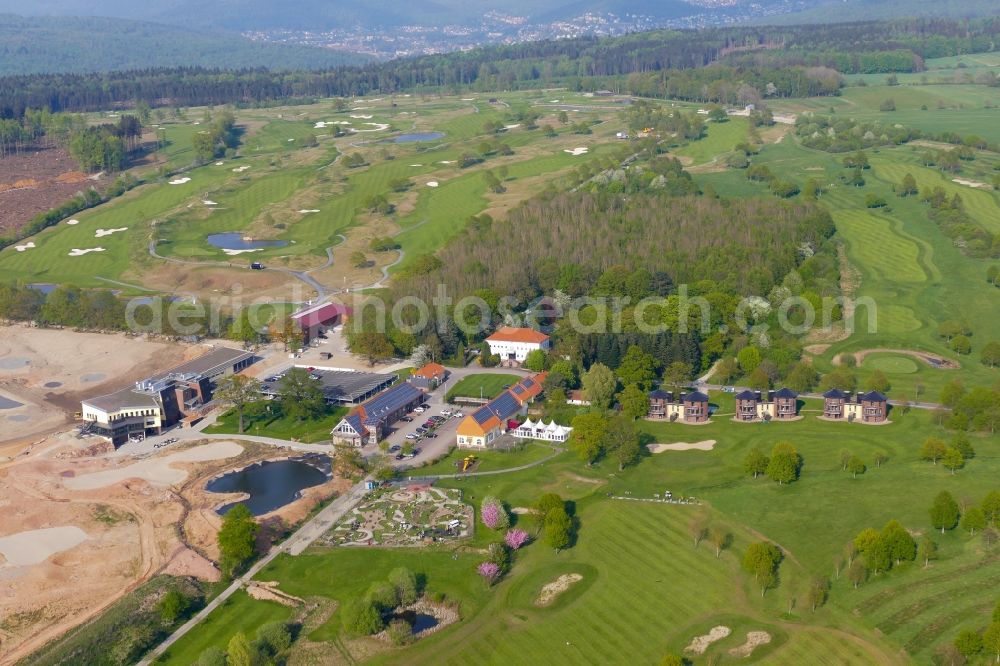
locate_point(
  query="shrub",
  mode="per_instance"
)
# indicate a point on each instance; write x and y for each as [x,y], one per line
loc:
[515,539]
[493,514]
[400,632]
[489,571]
[361,617]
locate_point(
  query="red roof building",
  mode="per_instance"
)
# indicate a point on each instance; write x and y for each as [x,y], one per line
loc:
[315,320]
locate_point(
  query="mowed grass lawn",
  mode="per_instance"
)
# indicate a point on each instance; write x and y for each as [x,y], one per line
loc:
[817,515]
[482,385]
[238,613]
[489,460]
[720,138]
[309,431]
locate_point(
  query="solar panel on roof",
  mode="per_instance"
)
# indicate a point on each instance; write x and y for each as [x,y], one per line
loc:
[482,415]
[528,382]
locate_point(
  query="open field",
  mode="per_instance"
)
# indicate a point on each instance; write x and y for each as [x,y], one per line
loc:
[483,385]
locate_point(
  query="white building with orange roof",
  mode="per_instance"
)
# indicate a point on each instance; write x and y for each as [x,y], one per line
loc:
[513,345]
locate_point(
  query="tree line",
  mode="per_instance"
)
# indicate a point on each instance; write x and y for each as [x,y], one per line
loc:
[583,63]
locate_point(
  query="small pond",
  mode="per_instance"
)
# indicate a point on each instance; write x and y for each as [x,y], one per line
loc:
[419,621]
[233,240]
[416,137]
[7,403]
[271,485]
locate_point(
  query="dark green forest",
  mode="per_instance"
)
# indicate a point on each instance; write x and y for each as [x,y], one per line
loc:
[34,45]
[749,55]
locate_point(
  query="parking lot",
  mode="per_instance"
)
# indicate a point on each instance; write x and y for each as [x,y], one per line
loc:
[442,439]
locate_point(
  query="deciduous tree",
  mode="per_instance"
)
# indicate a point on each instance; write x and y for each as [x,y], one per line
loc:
[238,391]
[599,385]
[944,512]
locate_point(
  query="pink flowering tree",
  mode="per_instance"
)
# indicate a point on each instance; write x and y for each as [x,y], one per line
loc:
[490,572]
[515,538]
[493,514]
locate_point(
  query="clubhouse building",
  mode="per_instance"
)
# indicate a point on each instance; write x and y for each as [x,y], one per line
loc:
[163,400]
[513,345]
[482,427]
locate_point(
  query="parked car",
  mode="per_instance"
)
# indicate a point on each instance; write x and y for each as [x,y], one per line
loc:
[458,415]
[419,410]
[399,456]
[431,435]
[411,436]
[445,412]
[421,431]
[408,419]
[394,448]
[438,419]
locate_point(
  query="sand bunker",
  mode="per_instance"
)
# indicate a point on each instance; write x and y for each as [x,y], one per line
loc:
[241,169]
[219,163]
[576,151]
[101,233]
[432,183]
[26,246]
[79,253]
[361,116]
[72,222]
[375,127]
[700,643]
[157,471]
[268,591]
[35,546]
[180,181]
[682,446]
[446,162]
[551,591]
[468,99]
[209,202]
[309,210]
[416,165]
[969,183]
[754,640]
[233,253]
[510,127]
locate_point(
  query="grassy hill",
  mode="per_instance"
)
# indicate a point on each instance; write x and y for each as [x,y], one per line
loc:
[33,45]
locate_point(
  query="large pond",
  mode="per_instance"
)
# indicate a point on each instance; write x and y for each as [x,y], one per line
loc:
[271,485]
[234,240]
[416,137]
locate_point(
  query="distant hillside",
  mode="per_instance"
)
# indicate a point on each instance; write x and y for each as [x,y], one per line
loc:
[69,44]
[835,11]
[348,14]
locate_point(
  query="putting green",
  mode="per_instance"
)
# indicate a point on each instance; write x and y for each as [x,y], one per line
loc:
[897,365]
